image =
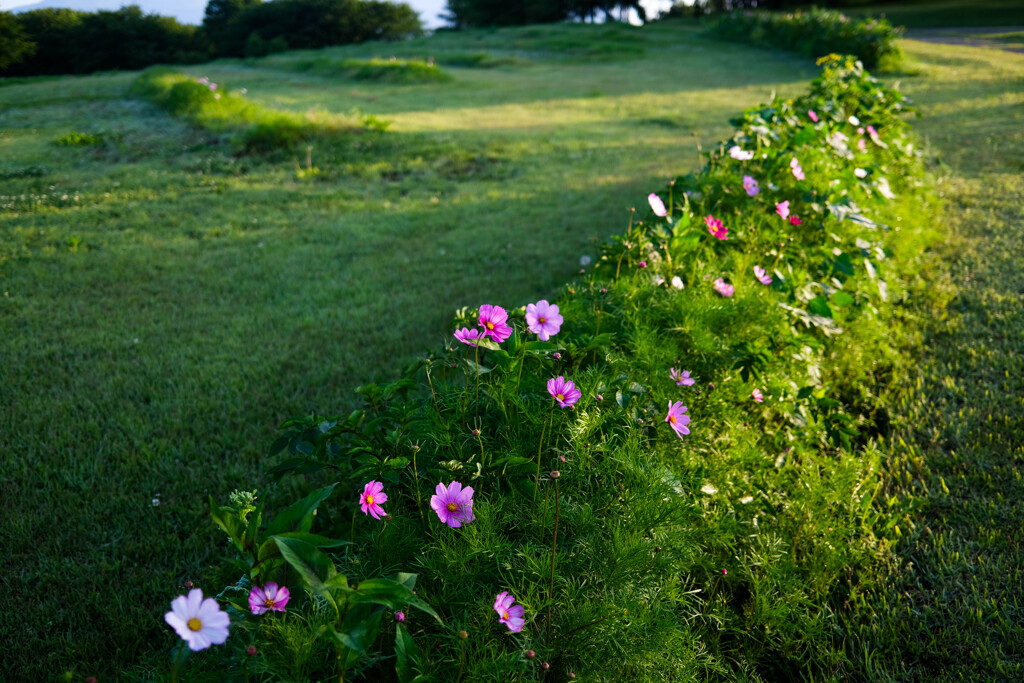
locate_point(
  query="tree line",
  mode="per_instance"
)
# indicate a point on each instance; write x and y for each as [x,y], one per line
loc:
[63,41]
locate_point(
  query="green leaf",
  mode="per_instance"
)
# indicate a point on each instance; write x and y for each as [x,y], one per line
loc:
[227,520]
[843,264]
[406,655]
[841,298]
[299,515]
[313,566]
[818,306]
[390,594]
[681,244]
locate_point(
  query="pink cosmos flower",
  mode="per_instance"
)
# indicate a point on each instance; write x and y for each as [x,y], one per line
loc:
[861,145]
[794,166]
[270,597]
[795,220]
[509,614]
[812,115]
[716,228]
[763,277]
[468,336]
[492,319]
[724,288]
[750,185]
[657,206]
[677,418]
[213,86]
[782,208]
[543,319]
[454,504]
[642,264]
[372,498]
[758,396]
[563,391]
[200,623]
[682,379]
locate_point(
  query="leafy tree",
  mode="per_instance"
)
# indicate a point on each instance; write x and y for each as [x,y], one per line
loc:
[14,44]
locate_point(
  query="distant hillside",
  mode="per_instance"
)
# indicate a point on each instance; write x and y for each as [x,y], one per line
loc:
[185,11]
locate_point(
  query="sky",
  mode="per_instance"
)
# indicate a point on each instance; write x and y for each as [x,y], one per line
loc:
[191,11]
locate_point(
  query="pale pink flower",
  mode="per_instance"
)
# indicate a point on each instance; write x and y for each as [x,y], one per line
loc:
[724,288]
[269,597]
[469,336]
[739,154]
[543,319]
[716,228]
[682,379]
[782,208]
[762,276]
[861,145]
[794,166]
[657,206]
[200,623]
[758,396]
[812,115]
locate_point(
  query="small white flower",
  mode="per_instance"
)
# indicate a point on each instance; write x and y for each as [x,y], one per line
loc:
[708,489]
[854,121]
[200,623]
[677,282]
[860,173]
[747,499]
[737,153]
[584,260]
[658,281]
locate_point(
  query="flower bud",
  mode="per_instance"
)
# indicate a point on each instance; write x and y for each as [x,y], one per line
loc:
[724,571]
[572,676]
[557,355]
[642,264]
[545,665]
[399,617]
[476,432]
[555,474]
[463,635]
[530,654]
[251,650]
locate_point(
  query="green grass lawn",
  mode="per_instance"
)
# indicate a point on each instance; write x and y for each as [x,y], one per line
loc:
[164,304]
[946,13]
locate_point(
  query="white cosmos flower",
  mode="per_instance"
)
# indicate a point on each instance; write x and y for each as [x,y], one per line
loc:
[677,282]
[200,623]
[860,172]
[737,153]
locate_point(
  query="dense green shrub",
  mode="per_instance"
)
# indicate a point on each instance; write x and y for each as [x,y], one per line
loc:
[814,33]
[771,278]
[253,127]
[15,46]
[478,13]
[391,70]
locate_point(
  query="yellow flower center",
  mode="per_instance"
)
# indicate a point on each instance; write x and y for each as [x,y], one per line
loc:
[672,419]
[195,624]
[490,325]
[452,507]
[542,319]
[268,603]
[560,397]
[506,615]
[369,500]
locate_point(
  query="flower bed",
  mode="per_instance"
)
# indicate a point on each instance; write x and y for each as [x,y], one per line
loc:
[669,473]
[814,33]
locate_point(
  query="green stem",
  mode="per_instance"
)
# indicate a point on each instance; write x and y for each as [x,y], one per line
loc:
[177,663]
[554,545]
[540,449]
[352,533]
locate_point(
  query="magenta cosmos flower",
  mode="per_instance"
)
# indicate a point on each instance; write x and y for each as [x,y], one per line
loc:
[200,623]
[682,379]
[657,206]
[270,597]
[543,319]
[724,288]
[782,208]
[372,498]
[794,166]
[763,277]
[758,396]
[509,614]
[716,228]
[563,391]
[750,185]
[677,418]
[492,319]
[795,220]
[812,115]
[469,336]
[453,504]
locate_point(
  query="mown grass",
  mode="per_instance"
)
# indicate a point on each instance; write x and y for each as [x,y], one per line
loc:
[165,303]
[951,607]
[945,13]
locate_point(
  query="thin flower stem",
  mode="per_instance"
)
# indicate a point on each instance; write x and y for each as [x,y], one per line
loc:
[540,449]
[481,440]
[177,663]
[416,477]
[629,230]
[554,545]
[476,370]
[432,394]
[355,511]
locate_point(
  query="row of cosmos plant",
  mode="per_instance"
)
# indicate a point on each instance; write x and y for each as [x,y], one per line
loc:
[672,471]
